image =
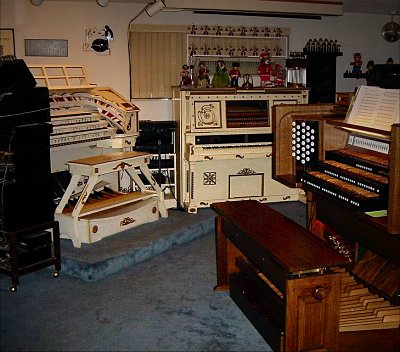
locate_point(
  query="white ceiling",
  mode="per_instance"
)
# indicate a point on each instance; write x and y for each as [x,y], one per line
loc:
[383,7]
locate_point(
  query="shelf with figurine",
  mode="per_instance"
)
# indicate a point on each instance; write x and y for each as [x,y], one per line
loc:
[211,48]
[227,58]
[267,74]
[236,43]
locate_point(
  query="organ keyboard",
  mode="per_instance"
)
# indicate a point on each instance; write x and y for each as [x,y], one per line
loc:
[84,116]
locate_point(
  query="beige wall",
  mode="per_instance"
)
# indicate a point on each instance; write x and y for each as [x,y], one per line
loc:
[69,20]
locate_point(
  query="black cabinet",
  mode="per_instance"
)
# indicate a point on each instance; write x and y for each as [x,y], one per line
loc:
[321,76]
[29,236]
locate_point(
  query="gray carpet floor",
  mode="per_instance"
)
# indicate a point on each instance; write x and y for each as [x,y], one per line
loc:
[166,303]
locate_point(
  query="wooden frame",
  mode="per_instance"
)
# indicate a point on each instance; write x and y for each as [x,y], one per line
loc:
[7,41]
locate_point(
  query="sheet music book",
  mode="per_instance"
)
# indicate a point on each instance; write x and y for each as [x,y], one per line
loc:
[375,107]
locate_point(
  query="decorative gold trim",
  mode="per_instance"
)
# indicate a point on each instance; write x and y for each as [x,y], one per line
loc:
[126,221]
[122,165]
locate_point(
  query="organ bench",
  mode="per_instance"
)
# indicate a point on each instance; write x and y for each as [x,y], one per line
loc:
[93,218]
[280,275]
[296,290]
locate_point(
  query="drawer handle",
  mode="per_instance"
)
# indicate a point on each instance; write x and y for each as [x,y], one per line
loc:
[239,156]
[319,293]
[126,221]
[208,157]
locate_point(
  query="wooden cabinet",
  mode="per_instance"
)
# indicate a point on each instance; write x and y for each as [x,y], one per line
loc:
[224,145]
[321,76]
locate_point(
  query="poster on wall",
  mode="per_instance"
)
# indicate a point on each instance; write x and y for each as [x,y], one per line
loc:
[7,44]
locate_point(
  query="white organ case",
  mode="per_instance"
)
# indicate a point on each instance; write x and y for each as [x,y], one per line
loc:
[224,145]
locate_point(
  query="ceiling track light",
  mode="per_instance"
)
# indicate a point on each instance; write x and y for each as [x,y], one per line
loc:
[37,2]
[102,3]
[155,7]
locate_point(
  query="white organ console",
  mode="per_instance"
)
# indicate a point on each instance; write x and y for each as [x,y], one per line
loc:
[85,118]
[105,187]
[224,144]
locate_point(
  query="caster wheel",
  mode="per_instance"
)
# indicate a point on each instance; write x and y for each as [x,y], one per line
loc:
[56,274]
[13,289]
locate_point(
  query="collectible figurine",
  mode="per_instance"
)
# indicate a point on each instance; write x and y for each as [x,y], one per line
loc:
[221,77]
[279,75]
[370,66]
[203,77]
[264,70]
[234,74]
[357,63]
[186,79]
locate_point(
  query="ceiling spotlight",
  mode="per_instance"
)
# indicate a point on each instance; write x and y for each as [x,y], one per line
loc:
[37,2]
[155,7]
[103,3]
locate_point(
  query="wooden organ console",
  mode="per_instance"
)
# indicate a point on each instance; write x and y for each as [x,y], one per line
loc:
[351,175]
[224,144]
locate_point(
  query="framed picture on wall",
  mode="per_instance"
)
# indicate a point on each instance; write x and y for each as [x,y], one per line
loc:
[7,43]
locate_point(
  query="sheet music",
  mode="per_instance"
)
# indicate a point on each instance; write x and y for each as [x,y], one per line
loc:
[376,108]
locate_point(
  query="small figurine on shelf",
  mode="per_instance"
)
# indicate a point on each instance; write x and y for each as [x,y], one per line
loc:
[203,76]
[243,31]
[370,66]
[218,50]
[193,29]
[265,69]
[186,79]
[357,63]
[243,51]
[234,74]
[231,51]
[267,32]
[218,30]
[254,31]
[221,77]
[279,75]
